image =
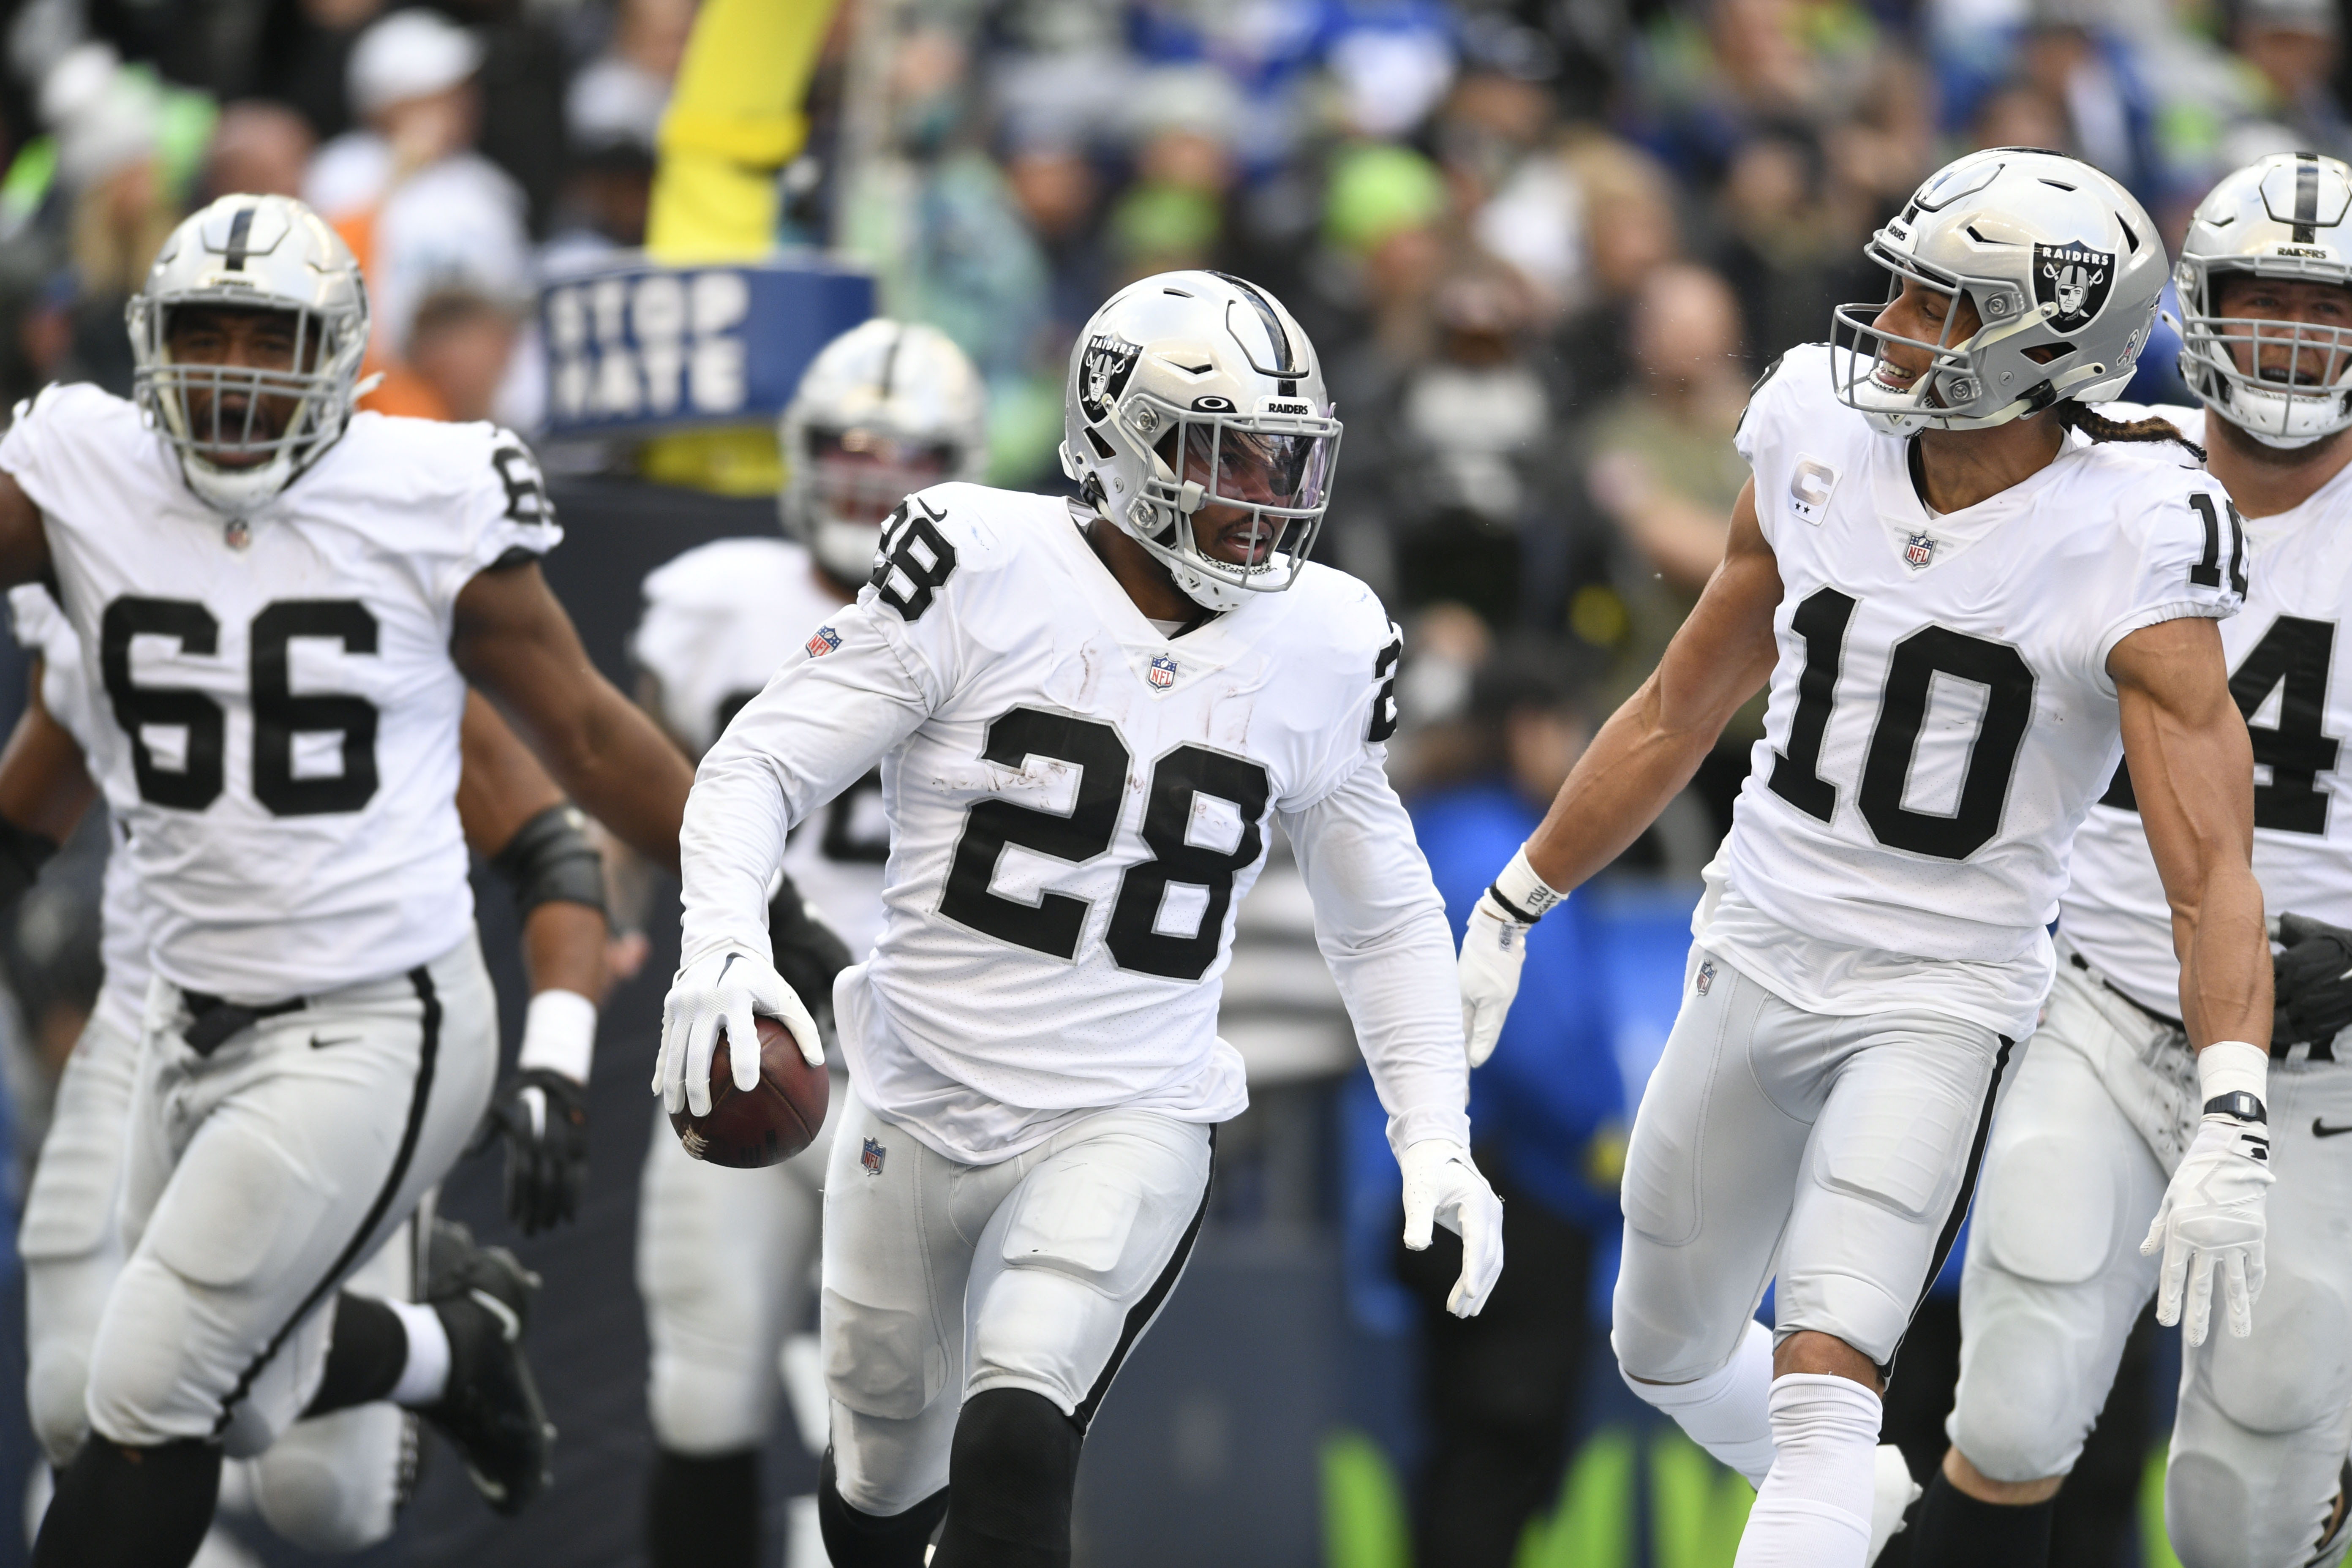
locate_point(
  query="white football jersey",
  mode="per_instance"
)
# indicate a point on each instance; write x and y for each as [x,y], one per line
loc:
[1077,803]
[1942,717]
[718,622]
[281,686]
[2298,705]
[73,702]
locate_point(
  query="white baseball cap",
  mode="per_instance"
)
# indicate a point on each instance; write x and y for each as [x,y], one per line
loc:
[409,54]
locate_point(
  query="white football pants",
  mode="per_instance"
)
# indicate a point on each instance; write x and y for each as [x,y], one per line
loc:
[725,1260]
[330,1485]
[2102,1108]
[257,1181]
[1835,1153]
[942,1280]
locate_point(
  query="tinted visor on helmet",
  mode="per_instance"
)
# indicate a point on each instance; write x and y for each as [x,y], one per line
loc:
[1281,480]
[858,474]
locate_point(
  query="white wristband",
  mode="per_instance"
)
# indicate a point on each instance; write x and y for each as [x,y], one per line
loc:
[559,1032]
[2233,1066]
[1525,896]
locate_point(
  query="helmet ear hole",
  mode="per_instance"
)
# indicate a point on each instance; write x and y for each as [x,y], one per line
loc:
[1102,448]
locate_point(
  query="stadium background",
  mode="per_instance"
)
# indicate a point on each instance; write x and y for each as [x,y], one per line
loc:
[1543,247]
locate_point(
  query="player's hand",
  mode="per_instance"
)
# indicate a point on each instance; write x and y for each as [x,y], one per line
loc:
[723,989]
[2312,977]
[2212,1223]
[1441,1185]
[1494,946]
[544,1115]
[805,952]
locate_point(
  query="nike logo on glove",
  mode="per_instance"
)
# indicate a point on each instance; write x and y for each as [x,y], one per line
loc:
[2319,1128]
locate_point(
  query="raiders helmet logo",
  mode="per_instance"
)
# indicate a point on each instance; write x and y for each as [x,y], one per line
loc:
[1103,375]
[2073,278]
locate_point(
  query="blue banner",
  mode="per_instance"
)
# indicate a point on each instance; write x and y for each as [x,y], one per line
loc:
[633,347]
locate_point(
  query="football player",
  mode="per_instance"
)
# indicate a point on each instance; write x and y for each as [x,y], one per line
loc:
[1968,591]
[334,1484]
[1087,712]
[284,601]
[2106,1107]
[725,1258]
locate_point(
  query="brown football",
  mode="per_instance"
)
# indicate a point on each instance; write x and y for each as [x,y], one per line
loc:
[767,1125]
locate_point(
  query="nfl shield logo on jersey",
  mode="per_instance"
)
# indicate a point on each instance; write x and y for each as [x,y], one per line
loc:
[1163,673]
[872,1158]
[1919,552]
[824,642]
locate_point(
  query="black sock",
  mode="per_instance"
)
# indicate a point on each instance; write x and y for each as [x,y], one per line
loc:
[1013,1469]
[365,1356]
[855,1540]
[130,1508]
[1953,1529]
[703,1512]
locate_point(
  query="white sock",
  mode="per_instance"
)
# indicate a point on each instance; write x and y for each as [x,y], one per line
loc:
[1727,1413]
[1814,1510]
[425,1378]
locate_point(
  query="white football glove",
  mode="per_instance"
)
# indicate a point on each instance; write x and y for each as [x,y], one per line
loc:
[722,990]
[1494,946]
[2212,1219]
[1441,1185]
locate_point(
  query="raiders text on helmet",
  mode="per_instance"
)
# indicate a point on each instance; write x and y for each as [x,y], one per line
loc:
[1190,390]
[884,409]
[2061,266]
[2289,217]
[263,253]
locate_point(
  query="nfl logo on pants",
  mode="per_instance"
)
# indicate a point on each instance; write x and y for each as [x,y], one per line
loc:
[872,1157]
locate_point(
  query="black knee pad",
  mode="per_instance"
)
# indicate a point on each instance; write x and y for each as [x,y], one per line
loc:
[1953,1529]
[855,1540]
[143,1508]
[703,1512]
[1012,1471]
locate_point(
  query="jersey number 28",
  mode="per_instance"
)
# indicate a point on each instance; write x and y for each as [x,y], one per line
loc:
[279,715]
[1052,924]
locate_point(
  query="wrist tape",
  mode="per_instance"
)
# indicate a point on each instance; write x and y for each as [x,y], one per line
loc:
[1525,897]
[559,1032]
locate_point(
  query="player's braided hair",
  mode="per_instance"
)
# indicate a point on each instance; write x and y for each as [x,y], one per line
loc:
[2073,415]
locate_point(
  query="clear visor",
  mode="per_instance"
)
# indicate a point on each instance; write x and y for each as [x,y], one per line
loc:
[1251,495]
[859,475]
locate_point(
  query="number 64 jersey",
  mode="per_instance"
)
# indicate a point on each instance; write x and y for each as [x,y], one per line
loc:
[281,685]
[1941,716]
[1076,802]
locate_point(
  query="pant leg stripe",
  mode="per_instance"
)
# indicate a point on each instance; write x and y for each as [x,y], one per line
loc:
[1140,1316]
[1952,1222]
[420,1094]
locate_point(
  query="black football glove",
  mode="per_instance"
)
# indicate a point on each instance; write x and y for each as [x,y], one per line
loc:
[2312,977]
[544,1116]
[807,952]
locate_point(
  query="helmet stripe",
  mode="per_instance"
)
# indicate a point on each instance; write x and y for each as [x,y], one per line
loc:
[240,233]
[1278,339]
[890,360]
[2306,200]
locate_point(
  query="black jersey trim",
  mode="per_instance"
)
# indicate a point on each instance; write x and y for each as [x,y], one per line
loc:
[420,1096]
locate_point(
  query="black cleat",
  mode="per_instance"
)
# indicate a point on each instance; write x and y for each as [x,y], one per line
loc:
[491,1409]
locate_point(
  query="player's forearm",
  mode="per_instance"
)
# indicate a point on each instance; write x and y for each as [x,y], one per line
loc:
[732,841]
[1381,928]
[564,949]
[623,772]
[1636,765]
[2225,970]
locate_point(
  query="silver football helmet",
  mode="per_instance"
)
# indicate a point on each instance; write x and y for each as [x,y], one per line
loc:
[1189,390]
[251,253]
[884,409]
[2061,266]
[2285,384]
